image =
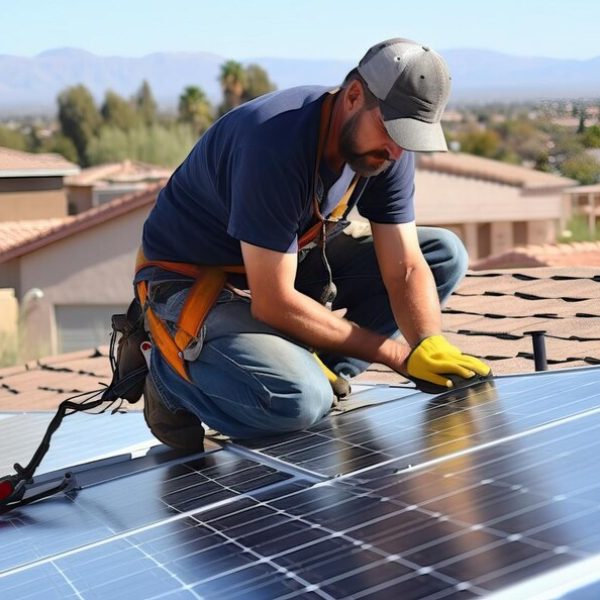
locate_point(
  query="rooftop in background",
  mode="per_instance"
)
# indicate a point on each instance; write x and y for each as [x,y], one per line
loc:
[586,189]
[14,163]
[98,185]
[80,222]
[126,171]
[469,165]
[576,254]
[16,233]
[489,316]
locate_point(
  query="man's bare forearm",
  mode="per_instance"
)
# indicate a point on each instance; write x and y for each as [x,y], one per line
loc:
[302,318]
[414,300]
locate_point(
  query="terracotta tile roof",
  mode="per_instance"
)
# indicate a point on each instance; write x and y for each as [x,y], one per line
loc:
[15,233]
[14,163]
[90,218]
[469,165]
[488,316]
[584,254]
[129,171]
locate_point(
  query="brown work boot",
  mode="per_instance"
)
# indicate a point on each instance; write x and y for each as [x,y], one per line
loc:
[181,430]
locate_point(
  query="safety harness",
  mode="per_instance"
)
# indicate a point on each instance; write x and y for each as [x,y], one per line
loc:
[208,282]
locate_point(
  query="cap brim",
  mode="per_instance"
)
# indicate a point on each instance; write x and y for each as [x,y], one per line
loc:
[415,135]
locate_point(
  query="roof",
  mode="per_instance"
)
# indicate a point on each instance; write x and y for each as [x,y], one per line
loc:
[127,171]
[469,165]
[488,316]
[90,218]
[16,233]
[576,254]
[14,163]
[585,189]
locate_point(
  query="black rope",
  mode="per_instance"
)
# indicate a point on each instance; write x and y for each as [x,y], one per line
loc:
[14,487]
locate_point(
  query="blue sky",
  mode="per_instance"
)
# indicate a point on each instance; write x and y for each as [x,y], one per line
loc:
[343,29]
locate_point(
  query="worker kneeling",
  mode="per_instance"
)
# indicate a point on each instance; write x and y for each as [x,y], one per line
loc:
[248,249]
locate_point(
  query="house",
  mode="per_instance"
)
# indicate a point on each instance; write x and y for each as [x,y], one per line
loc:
[32,185]
[576,254]
[71,277]
[492,206]
[585,200]
[99,184]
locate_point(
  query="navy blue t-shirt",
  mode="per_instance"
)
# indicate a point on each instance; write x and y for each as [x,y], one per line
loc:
[250,178]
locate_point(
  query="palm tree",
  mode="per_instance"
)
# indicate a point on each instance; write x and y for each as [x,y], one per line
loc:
[194,108]
[257,82]
[232,79]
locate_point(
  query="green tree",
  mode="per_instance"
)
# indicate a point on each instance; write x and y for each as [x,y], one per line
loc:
[158,144]
[11,138]
[233,80]
[146,104]
[79,118]
[257,82]
[523,138]
[591,137]
[195,109]
[482,143]
[582,167]
[62,145]
[118,112]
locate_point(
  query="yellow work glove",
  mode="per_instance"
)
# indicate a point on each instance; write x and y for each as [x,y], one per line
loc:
[436,366]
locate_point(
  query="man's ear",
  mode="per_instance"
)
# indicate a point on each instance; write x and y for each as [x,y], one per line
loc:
[354,96]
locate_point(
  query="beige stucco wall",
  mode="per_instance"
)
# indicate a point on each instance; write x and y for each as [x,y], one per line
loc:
[10,275]
[542,232]
[9,315]
[79,198]
[444,198]
[46,204]
[91,267]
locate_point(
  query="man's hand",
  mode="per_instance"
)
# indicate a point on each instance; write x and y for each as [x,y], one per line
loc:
[435,366]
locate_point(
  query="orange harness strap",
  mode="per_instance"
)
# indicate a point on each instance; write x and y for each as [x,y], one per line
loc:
[209,282]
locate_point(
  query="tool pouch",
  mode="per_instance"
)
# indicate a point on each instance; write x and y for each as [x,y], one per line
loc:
[129,357]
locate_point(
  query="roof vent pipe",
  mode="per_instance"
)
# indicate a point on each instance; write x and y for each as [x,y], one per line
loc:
[539,349]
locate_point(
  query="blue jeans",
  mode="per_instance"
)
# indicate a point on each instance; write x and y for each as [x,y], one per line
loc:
[249,380]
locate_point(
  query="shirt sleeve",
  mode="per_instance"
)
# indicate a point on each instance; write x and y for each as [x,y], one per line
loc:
[389,197]
[267,199]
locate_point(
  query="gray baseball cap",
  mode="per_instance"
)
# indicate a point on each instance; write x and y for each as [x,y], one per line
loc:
[412,84]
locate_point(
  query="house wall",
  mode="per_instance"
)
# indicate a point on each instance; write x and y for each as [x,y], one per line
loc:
[10,275]
[9,315]
[79,198]
[91,268]
[43,204]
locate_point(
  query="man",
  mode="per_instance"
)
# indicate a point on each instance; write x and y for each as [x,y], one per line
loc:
[257,186]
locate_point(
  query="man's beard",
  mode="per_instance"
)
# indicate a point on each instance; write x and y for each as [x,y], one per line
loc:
[366,164]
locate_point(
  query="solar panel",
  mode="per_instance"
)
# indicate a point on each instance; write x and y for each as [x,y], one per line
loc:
[416,426]
[493,490]
[84,436]
[128,502]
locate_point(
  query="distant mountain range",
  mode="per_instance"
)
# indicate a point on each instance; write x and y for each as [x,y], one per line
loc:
[30,85]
